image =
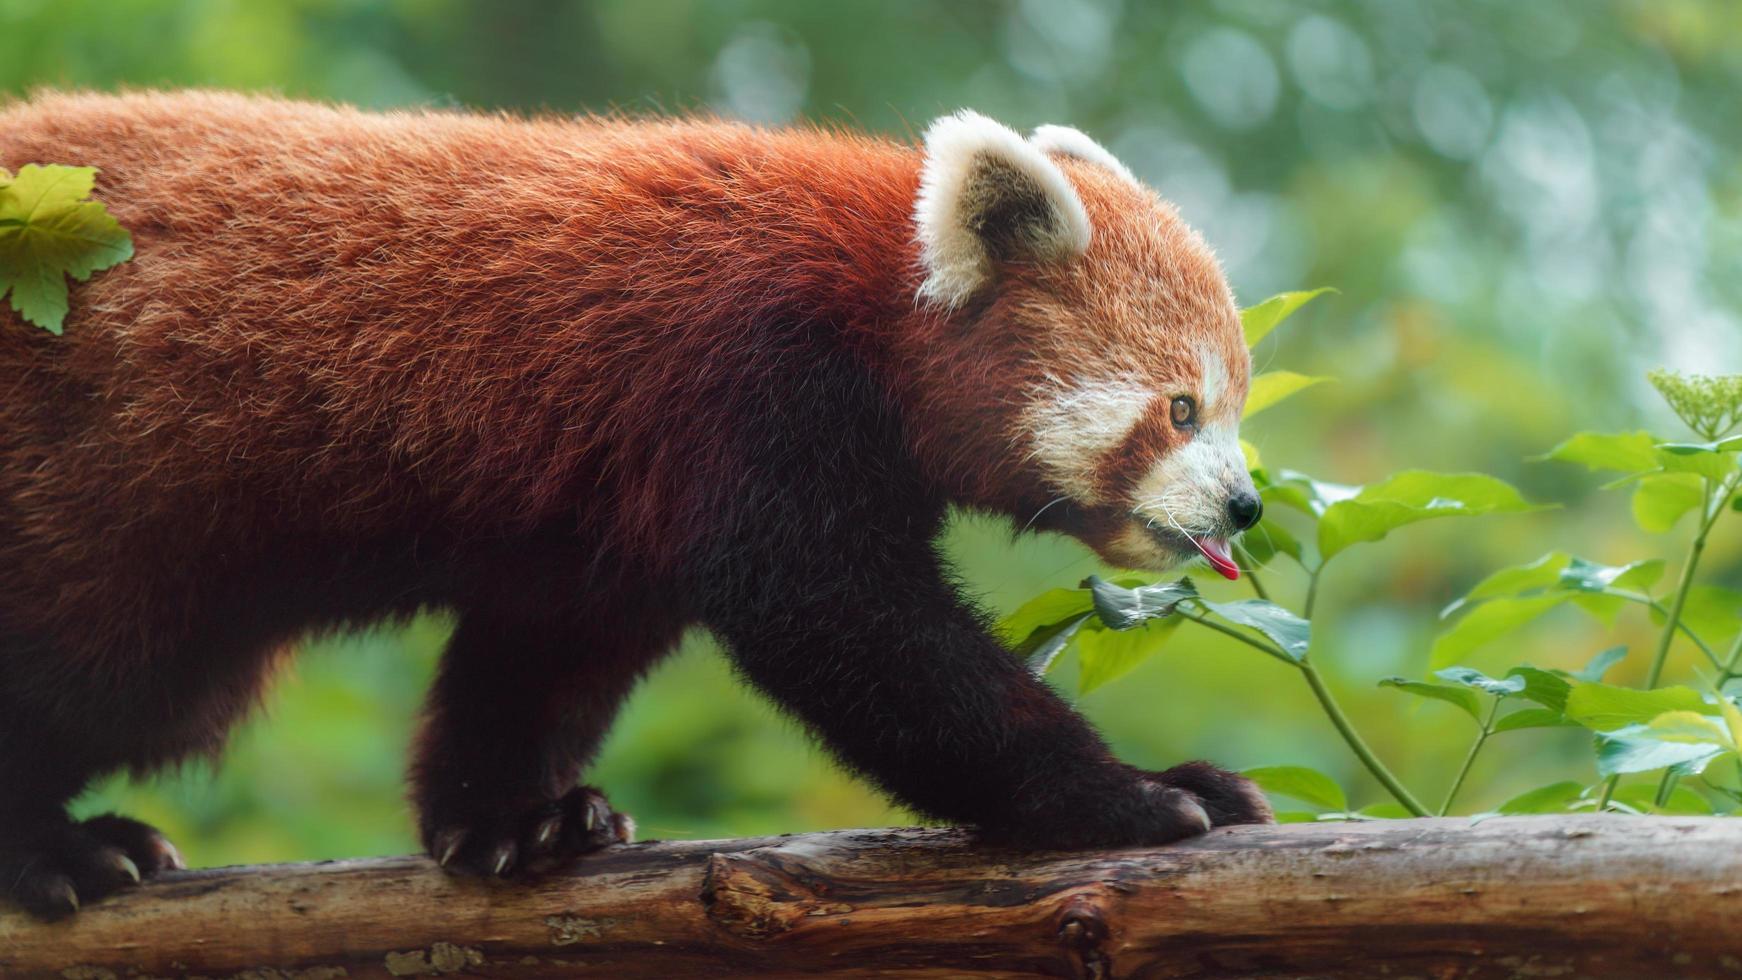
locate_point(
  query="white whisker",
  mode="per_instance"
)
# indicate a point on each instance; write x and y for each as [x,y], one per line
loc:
[1036,517]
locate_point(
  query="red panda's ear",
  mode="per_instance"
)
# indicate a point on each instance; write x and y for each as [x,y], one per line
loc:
[986,195]
[1065,141]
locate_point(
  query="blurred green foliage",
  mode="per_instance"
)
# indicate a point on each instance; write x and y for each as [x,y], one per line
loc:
[1524,205]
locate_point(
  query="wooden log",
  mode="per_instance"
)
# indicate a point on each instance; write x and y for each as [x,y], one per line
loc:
[1575,896]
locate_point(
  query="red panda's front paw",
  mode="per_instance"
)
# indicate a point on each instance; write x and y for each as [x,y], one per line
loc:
[1173,814]
[54,869]
[1137,812]
[519,839]
[1228,798]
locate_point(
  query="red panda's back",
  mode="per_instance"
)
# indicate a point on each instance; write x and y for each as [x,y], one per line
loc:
[337,321]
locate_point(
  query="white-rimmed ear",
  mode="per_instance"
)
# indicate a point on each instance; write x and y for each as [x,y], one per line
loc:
[1075,143]
[986,195]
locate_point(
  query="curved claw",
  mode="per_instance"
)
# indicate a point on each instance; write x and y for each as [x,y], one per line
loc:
[447,845]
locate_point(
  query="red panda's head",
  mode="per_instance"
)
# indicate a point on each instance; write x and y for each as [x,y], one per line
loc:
[1089,344]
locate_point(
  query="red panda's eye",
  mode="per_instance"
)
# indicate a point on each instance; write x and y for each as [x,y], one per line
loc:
[1184,412]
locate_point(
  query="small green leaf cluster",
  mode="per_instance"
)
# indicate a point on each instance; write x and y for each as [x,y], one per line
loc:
[49,230]
[1113,625]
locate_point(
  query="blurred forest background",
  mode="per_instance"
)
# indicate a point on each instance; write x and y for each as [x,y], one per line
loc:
[1524,205]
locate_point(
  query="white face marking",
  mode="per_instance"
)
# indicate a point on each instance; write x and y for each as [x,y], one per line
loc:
[1188,489]
[1214,372]
[1073,426]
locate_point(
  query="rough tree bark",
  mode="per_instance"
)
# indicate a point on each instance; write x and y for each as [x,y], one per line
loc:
[1508,897]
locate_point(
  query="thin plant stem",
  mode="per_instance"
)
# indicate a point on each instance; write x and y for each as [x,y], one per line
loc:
[1708,516]
[1252,574]
[1686,630]
[1229,631]
[1333,710]
[1665,786]
[1312,596]
[1470,759]
[1608,793]
[1728,672]
[1681,590]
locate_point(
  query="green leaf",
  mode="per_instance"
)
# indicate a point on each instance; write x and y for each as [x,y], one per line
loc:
[1634,749]
[1593,672]
[1690,727]
[1411,496]
[1042,648]
[1305,494]
[1605,707]
[1559,571]
[1490,621]
[48,231]
[1627,452]
[1641,453]
[1273,386]
[1533,718]
[1300,783]
[1726,445]
[1553,798]
[1290,632]
[1259,320]
[1254,462]
[1463,697]
[1046,611]
[1545,687]
[1712,464]
[1296,816]
[1106,654]
[1123,607]
[1473,678]
[1603,608]
[1732,720]
[1660,499]
[1268,540]
[1543,573]
[1588,576]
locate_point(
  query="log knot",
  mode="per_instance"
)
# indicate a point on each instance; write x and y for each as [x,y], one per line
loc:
[752,896]
[1082,929]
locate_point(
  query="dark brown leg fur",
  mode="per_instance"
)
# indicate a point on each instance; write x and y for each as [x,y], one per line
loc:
[60,726]
[516,712]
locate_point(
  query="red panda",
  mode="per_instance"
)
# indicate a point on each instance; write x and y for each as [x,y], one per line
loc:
[587,383]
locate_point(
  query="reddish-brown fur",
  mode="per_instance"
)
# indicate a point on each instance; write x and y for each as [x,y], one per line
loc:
[348,324]
[363,363]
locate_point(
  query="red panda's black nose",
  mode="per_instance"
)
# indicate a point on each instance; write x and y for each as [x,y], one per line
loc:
[1245,509]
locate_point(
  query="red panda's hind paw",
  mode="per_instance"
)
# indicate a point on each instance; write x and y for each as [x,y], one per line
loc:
[54,869]
[1228,798]
[529,840]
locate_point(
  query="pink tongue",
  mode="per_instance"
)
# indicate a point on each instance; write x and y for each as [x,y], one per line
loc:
[1220,556]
